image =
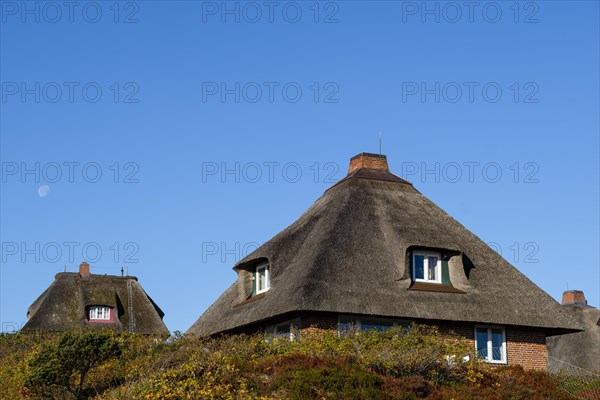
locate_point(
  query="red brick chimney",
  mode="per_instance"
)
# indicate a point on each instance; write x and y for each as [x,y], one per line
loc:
[574,297]
[370,161]
[84,269]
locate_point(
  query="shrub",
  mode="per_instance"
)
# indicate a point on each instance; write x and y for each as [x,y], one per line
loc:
[330,379]
[419,363]
[60,369]
[408,387]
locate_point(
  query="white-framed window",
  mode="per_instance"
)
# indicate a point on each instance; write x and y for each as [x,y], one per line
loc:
[427,266]
[262,277]
[349,323]
[288,329]
[99,313]
[490,342]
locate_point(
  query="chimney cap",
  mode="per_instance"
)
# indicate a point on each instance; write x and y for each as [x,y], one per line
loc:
[364,154]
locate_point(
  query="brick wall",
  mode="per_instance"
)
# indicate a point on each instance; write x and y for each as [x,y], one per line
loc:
[527,347]
[524,346]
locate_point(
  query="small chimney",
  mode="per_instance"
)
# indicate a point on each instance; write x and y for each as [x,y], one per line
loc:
[574,297]
[84,270]
[369,161]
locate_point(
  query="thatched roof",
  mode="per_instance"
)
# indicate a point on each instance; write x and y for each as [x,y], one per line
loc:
[350,253]
[582,348]
[63,305]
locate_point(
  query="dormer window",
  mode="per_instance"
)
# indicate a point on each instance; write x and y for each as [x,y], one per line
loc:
[262,277]
[100,314]
[427,266]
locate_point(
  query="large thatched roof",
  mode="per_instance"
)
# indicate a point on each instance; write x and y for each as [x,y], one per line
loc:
[63,305]
[349,253]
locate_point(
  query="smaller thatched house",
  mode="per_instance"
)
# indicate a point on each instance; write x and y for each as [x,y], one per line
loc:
[581,349]
[82,299]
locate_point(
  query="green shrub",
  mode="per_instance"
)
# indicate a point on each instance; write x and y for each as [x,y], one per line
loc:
[60,369]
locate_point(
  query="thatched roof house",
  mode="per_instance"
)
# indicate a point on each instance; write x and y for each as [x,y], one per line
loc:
[581,349]
[374,252]
[87,300]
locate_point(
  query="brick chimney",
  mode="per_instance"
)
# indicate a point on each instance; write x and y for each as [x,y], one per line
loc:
[368,160]
[84,270]
[574,297]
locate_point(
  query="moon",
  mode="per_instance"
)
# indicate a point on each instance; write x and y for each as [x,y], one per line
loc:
[43,191]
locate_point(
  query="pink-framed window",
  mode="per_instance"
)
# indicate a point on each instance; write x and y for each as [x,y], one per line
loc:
[101,314]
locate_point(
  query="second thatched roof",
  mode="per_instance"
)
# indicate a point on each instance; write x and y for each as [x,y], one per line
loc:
[66,302]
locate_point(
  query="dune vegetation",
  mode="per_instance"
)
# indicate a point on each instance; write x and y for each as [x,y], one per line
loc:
[418,363]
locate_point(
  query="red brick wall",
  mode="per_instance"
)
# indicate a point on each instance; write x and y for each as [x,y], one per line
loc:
[524,346]
[527,347]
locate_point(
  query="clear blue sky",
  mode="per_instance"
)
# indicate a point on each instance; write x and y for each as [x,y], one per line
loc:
[173,95]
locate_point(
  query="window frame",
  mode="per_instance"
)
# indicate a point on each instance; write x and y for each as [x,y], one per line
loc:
[266,266]
[426,254]
[93,314]
[504,348]
[294,330]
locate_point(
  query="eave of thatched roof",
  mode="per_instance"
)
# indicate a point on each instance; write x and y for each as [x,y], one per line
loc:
[63,305]
[349,253]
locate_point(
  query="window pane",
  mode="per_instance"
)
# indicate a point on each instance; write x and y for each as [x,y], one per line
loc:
[267,278]
[260,276]
[288,330]
[284,330]
[381,326]
[99,313]
[497,344]
[482,343]
[419,267]
[347,326]
[433,272]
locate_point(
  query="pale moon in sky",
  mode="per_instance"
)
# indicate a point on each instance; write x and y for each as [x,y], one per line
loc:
[44,190]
